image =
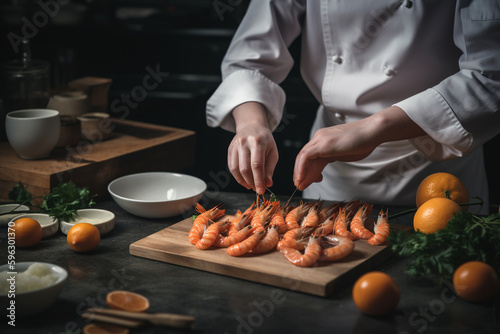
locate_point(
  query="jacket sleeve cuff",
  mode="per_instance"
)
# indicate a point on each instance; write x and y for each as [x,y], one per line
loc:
[244,86]
[446,137]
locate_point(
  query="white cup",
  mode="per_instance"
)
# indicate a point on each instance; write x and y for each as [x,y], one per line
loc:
[33,133]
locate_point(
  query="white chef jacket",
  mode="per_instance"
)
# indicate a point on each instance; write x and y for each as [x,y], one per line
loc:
[437,60]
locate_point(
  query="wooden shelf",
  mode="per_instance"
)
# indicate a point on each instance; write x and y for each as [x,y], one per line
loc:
[133,147]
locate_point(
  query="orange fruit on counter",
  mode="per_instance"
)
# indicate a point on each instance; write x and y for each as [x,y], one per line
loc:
[100,328]
[434,215]
[83,237]
[28,232]
[442,185]
[475,281]
[127,301]
[376,293]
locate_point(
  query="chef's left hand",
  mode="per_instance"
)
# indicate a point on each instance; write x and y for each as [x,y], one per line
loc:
[344,142]
[351,142]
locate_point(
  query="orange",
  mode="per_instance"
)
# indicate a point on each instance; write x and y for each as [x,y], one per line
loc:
[475,281]
[104,329]
[375,293]
[127,301]
[83,237]
[444,185]
[434,215]
[28,232]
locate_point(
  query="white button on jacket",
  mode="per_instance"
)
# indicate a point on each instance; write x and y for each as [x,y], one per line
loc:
[437,60]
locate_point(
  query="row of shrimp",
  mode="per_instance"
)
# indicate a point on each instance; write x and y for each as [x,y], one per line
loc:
[304,234]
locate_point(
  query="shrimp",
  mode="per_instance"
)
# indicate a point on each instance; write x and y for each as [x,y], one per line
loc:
[211,233]
[246,245]
[312,218]
[340,226]
[357,222]
[278,219]
[381,229]
[328,211]
[326,227]
[295,238]
[202,221]
[205,215]
[196,232]
[231,239]
[242,220]
[351,206]
[263,217]
[269,242]
[293,218]
[310,256]
[342,246]
[250,209]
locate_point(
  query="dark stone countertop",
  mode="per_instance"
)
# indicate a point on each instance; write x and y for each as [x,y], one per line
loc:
[228,305]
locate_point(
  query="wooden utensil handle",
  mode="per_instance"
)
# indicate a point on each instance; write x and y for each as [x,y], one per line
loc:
[112,320]
[121,314]
[162,319]
[174,320]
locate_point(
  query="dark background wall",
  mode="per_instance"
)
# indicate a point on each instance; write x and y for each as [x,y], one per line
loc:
[186,38]
[118,39]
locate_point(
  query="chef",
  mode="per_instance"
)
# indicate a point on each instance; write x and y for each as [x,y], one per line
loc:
[406,88]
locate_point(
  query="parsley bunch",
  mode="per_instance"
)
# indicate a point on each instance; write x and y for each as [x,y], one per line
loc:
[467,237]
[61,203]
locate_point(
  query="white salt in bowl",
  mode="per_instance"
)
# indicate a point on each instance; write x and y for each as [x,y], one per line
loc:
[157,194]
[32,301]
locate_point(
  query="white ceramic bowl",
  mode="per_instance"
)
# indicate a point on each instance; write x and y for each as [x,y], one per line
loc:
[104,220]
[33,133]
[35,301]
[157,194]
[5,219]
[49,224]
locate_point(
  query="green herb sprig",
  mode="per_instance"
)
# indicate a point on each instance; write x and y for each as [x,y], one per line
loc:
[61,203]
[467,237]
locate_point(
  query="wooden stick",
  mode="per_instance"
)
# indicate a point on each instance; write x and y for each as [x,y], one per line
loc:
[112,320]
[160,319]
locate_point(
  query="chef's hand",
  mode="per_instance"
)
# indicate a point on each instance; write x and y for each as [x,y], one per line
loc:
[252,154]
[351,142]
[345,142]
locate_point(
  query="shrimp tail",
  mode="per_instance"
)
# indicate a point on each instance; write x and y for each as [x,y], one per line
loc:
[200,208]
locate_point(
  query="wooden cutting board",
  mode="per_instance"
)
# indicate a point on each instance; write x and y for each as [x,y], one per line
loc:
[171,245]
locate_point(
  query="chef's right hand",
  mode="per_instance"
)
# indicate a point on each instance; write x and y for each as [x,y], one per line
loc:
[252,154]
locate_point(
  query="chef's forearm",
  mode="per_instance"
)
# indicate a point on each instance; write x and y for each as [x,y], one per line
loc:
[393,124]
[250,113]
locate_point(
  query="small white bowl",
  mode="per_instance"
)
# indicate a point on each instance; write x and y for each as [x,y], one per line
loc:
[35,301]
[33,133]
[49,224]
[157,194]
[104,220]
[5,219]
